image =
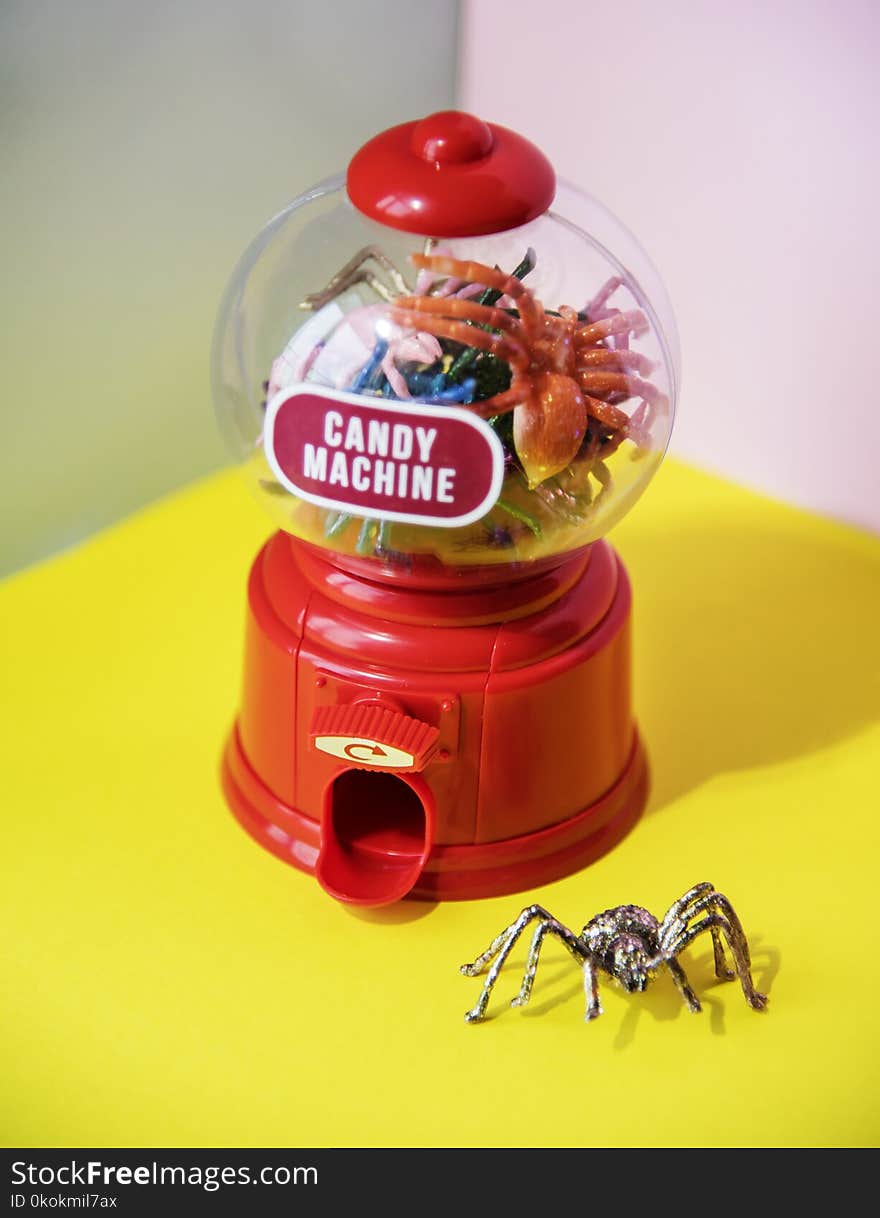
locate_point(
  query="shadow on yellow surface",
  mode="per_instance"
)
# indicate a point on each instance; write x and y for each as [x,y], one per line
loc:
[167,982]
[755,644]
[393,915]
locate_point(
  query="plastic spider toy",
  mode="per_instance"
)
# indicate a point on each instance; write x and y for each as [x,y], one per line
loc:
[629,944]
[564,371]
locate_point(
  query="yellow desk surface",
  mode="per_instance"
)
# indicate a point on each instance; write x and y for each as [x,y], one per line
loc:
[166,982]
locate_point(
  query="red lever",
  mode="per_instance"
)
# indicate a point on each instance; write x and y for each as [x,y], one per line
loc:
[371,737]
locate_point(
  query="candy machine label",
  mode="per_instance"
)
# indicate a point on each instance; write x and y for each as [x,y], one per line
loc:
[431,465]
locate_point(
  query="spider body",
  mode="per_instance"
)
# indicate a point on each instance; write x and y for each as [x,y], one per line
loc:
[570,372]
[629,945]
[567,380]
[623,942]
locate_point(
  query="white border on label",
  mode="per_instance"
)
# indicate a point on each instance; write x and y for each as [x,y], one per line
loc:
[421,409]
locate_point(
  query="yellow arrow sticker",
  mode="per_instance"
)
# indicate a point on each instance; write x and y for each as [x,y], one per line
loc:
[363,752]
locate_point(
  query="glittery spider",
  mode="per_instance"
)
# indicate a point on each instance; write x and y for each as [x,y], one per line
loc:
[628,944]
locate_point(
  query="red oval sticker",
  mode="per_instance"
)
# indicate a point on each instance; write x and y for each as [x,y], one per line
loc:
[436,465]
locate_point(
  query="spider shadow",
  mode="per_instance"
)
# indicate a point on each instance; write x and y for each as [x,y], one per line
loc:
[663,1000]
[551,975]
[766,961]
[565,982]
[749,625]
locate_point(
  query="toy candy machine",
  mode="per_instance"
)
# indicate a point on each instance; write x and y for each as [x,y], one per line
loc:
[446,376]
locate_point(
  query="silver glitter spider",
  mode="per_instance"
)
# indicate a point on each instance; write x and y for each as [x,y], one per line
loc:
[354,272]
[630,945]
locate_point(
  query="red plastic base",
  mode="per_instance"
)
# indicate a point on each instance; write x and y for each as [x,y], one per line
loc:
[401,734]
[452,872]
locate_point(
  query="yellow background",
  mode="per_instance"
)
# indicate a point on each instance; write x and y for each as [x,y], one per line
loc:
[166,982]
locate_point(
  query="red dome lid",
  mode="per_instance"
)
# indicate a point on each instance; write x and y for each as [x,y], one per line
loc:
[451,175]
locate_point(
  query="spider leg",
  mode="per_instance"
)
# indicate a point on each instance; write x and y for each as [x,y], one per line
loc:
[639,424]
[498,950]
[683,986]
[530,310]
[600,380]
[602,474]
[352,273]
[478,966]
[506,348]
[613,442]
[732,930]
[317,300]
[379,255]
[591,990]
[467,310]
[600,300]
[722,970]
[676,919]
[622,323]
[603,412]
[676,908]
[502,403]
[443,317]
[623,361]
[548,927]
[708,901]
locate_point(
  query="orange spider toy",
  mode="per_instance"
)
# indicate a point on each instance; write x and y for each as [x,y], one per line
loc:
[563,372]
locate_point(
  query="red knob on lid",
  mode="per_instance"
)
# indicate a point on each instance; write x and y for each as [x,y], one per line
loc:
[451,136]
[451,175]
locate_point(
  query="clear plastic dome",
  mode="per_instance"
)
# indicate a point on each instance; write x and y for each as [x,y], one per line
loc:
[557,334]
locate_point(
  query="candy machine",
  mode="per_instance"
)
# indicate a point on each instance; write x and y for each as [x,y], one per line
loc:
[446,375]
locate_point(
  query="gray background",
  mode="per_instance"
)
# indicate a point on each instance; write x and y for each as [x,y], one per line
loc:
[141,147]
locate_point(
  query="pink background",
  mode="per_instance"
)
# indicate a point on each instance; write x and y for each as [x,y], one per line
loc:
[740,143]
